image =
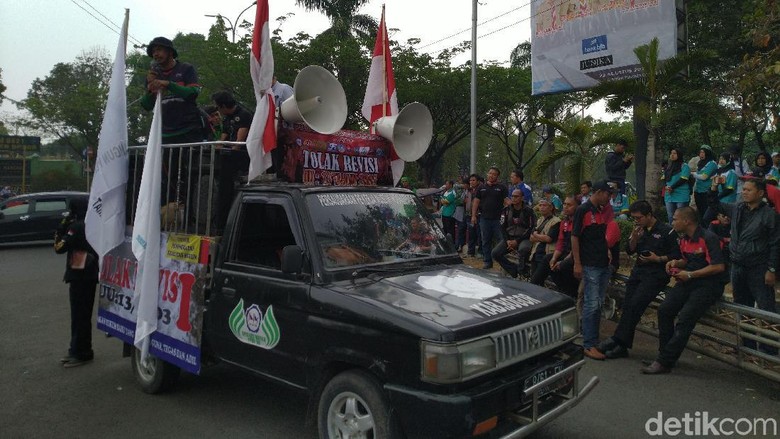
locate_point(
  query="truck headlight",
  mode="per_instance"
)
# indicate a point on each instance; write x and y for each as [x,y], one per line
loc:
[449,363]
[570,324]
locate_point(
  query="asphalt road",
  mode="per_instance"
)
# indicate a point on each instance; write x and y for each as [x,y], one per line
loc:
[39,398]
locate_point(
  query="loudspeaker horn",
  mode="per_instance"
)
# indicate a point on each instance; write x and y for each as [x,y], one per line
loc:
[318,100]
[410,131]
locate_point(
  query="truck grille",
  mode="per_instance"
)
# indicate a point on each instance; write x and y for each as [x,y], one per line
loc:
[526,341]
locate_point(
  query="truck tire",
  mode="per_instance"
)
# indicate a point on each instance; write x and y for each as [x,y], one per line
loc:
[352,405]
[156,375]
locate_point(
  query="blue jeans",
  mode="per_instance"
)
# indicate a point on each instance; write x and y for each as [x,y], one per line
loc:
[490,229]
[595,280]
[747,283]
[671,206]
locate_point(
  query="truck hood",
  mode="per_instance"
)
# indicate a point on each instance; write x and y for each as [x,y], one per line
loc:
[466,301]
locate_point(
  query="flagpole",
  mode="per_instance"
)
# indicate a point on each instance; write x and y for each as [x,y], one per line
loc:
[383,30]
[127,19]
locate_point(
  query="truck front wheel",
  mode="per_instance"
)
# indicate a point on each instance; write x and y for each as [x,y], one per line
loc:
[154,375]
[352,405]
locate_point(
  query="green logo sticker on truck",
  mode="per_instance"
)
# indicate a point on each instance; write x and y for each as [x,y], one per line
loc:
[251,327]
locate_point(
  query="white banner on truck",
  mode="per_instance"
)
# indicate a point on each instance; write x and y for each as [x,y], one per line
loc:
[576,44]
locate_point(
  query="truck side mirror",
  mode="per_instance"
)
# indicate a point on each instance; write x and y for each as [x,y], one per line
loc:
[292,259]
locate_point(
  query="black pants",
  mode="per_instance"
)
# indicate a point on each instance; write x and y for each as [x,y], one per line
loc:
[750,290]
[564,278]
[82,299]
[642,287]
[232,164]
[448,223]
[687,302]
[702,202]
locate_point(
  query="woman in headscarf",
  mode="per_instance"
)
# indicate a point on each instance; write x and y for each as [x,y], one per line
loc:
[705,169]
[725,180]
[676,176]
[762,166]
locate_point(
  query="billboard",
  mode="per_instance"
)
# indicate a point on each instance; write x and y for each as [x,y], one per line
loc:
[576,44]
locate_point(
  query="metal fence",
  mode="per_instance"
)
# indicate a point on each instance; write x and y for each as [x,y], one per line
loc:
[728,332]
[189,192]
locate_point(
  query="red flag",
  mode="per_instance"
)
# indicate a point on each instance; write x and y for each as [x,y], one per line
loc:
[261,139]
[381,99]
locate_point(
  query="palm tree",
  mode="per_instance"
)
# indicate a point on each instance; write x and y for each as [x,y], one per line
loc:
[344,20]
[650,95]
[578,148]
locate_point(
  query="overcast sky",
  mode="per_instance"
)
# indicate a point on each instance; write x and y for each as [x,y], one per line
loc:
[37,34]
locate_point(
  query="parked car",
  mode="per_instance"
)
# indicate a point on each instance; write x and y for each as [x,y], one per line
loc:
[36,216]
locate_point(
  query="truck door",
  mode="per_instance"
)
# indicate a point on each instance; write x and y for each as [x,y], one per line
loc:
[257,312]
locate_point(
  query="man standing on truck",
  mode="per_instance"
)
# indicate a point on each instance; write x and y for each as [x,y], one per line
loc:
[234,159]
[181,118]
[698,286]
[488,203]
[590,251]
[655,243]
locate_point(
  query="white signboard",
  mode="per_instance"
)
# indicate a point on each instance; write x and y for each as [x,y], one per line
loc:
[576,44]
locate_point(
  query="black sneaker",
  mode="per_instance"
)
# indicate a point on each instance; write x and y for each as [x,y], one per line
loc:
[67,358]
[76,362]
[607,345]
[487,266]
[617,352]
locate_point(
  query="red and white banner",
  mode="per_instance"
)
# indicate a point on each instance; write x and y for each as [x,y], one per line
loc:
[381,99]
[261,139]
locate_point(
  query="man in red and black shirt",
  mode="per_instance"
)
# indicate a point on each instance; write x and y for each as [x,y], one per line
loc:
[699,284]
[590,251]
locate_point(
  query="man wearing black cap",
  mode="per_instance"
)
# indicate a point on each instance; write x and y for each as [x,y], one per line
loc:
[178,82]
[590,251]
[181,119]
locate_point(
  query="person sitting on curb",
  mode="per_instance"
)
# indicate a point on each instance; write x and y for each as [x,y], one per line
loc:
[698,275]
[655,243]
[517,222]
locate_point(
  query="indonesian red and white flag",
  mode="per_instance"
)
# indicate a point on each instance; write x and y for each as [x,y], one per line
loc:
[261,139]
[105,220]
[381,99]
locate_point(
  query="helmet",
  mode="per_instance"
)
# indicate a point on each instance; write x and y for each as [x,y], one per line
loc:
[162,42]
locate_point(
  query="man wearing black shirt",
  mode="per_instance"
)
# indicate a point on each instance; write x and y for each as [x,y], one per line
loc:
[655,243]
[698,286]
[234,159]
[616,164]
[488,203]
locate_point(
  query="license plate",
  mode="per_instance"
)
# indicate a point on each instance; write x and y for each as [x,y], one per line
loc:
[542,375]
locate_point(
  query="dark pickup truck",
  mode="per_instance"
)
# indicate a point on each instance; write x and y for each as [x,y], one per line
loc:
[355,296]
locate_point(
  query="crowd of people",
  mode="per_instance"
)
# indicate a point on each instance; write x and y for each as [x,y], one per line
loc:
[721,228]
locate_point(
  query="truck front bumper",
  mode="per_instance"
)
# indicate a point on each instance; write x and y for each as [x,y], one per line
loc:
[518,408]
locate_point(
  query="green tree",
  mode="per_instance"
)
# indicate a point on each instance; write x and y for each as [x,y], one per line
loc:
[70,101]
[651,96]
[579,147]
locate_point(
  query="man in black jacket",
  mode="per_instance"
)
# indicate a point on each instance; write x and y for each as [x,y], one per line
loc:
[517,223]
[655,243]
[754,250]
[616,163]
[81,273]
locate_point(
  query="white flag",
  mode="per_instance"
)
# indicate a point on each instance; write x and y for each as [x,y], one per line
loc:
[261,139]
[146,236]
[105,221]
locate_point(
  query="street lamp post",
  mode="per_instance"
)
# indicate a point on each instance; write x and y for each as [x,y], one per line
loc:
[237,22]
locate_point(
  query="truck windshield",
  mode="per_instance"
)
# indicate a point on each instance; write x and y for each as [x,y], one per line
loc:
[357,228]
